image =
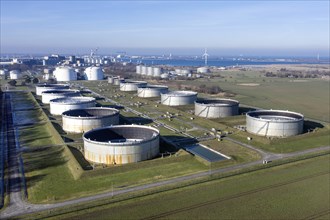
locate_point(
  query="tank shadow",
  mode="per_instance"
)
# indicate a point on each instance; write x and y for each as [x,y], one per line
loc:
[311,125]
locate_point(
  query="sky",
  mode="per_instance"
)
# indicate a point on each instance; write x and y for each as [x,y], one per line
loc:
[279,28]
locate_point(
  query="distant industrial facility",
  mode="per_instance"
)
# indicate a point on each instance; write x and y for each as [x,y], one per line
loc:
[274,123]
[216,108]
[83,120]
[176,98]
[58,106]
[121,144]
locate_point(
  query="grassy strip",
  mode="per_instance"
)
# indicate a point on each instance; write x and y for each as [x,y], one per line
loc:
[72,210]
[72,164]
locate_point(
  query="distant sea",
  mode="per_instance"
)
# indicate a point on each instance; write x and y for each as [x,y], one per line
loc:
[222,63]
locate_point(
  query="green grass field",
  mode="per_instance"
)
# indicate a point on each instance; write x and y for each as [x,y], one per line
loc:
[298,190]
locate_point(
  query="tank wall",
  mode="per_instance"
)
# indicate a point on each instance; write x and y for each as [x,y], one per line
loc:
[81,125]
[215,111]
[93,73]
[143,70]
[59,108]
[128,87]
[150,92]
[138,69]
[177,100]
[274,128]
[117,82]
[111,154]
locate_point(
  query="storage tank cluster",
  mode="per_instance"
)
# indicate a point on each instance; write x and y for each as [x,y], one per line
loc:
[47,96]
[15,74]
[85,119]
[93,73]
[121,144]
[45,87]
[117,81]
[177,98]
[216,108]
[149,71]
[130,86]
[151,91]
[60,105]
[183,72]
[274,123]
[203,69]
[64,73]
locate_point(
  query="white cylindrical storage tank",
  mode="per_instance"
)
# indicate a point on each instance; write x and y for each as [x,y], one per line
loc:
[151,91]
[121,144]
[178,71]
[130,86]
[176,98]
[157,71]
[150,71]
[3,72]
[45,87]
[274,123]
[93,73]
[185,71]
[83,120]
[117,81]
[138,69]
[143,70]
[165,76]
[111,79]
[64,73]
[15,74]
[203,69]
[49,95]
[216,108]
[58,106]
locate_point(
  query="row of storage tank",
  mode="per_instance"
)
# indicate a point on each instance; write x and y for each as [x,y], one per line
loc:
[105,141]
[63,73]
[275,123]
[158,71]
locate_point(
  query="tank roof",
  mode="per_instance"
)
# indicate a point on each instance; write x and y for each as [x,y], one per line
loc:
[275,115]
[182,93]
[122,134]
[45,85]
[72,100]
[60,91]
[217,102]
[93,112]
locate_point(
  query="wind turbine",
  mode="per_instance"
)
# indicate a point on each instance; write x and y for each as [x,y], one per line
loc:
[205,55]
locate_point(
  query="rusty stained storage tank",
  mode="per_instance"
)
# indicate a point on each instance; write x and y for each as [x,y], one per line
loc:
[85,119]
[121,144]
